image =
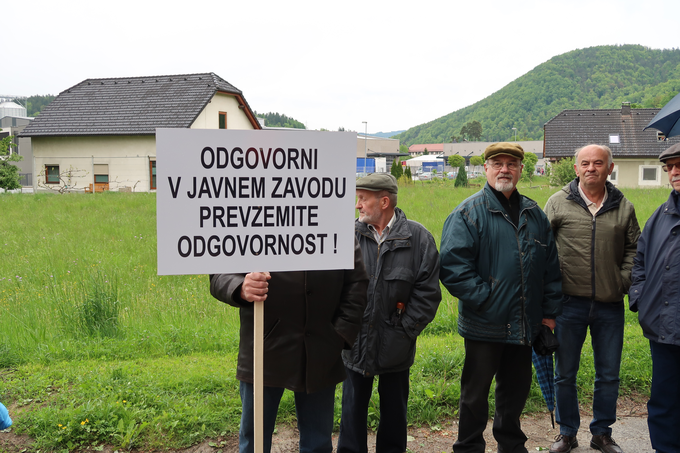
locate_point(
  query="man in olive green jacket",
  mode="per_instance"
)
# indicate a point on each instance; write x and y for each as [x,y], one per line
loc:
[596,233]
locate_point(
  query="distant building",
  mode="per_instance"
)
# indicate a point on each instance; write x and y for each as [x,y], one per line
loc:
[13,125]
[469,149]
[104,130]
[635,151]
[425,163]
[9,108]
[382,151]
[434,149]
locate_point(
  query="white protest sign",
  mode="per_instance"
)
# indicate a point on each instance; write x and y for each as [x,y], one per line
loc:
[250,200]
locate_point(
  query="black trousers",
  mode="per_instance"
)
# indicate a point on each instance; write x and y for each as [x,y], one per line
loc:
[511,366]
[392,430]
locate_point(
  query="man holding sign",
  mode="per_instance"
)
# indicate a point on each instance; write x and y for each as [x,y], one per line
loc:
[310,317]
[231,202]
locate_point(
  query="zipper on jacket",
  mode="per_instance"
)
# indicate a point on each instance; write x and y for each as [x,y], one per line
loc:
[521,267]
[592,258]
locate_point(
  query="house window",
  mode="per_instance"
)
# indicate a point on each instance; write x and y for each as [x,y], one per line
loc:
[650,175]
[222,120]
[614,138]
[52,174]
[152,170]
[101,173]
[614,177]
[660,137]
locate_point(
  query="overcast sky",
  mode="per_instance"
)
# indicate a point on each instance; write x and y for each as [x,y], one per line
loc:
[394,64]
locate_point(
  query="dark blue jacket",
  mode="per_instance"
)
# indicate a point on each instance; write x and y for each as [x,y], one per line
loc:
[655,293]
[506,278]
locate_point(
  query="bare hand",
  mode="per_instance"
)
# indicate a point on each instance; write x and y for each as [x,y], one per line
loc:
[549,322]
[255,287]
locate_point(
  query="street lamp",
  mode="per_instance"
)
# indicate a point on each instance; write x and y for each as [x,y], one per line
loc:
[365,144]
[515,129]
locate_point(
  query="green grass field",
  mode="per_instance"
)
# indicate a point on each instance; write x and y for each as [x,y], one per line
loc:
[95,348]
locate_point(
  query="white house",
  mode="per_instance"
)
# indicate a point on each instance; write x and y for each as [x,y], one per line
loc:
[636,151]
[101,133]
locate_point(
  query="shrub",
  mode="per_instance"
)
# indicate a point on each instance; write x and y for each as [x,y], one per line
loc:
[562,172]
[461,179]
[396,169]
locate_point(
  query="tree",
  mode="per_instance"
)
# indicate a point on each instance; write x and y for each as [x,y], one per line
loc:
[472,130]
[396,169]
[34,104]
[529,162]
[408,174]
[476,161]
[425,153]
[461,178]
[403,149]
[9,174]
[562,172]
[456,160]
[68,179]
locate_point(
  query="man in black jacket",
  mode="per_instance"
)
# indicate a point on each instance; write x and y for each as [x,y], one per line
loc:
[310,316]
[402,262]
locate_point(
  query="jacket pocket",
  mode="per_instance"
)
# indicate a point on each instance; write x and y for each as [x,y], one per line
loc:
[493,285]
[396,347]
[397,287]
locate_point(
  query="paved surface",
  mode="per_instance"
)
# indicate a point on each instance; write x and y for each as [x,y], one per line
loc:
[631,433]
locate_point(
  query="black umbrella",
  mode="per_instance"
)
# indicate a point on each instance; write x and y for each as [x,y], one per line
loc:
[667,119]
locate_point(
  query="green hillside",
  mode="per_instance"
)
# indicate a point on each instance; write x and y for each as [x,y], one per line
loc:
[596,77]
[278,120]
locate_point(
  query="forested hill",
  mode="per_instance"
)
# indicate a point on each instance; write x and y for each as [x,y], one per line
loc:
[596,77]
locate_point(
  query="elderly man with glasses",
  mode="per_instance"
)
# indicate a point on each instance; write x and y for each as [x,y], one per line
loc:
[655,295]
[498,257]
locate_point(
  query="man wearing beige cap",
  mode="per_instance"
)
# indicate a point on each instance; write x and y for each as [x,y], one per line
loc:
[402,263]
[498,257]
[655,295]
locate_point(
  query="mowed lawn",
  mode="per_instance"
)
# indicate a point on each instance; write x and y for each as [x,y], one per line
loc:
[95,348]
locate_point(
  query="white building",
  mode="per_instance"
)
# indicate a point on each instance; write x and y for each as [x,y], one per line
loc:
[101,133]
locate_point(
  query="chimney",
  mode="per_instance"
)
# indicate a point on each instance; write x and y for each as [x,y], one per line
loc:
[625,108]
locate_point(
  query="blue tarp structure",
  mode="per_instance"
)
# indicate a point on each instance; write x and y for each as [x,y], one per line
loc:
[429,166]
[370,165]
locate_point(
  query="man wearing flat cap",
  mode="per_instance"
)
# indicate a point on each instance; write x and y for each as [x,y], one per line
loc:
[402,263]
[655,295]
[498,257]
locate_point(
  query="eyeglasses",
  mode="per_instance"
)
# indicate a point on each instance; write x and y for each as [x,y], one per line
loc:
[669,167]
[512,166]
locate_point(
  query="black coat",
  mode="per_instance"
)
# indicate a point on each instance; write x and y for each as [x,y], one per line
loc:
[404,268]
[310,316]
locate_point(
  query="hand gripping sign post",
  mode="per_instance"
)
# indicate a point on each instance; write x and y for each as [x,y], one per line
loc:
[235,201]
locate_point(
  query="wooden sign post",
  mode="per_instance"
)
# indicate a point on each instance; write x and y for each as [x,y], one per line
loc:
[258,376]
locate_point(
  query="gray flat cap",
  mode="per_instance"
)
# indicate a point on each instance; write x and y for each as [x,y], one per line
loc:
[670,153]
[376,182]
